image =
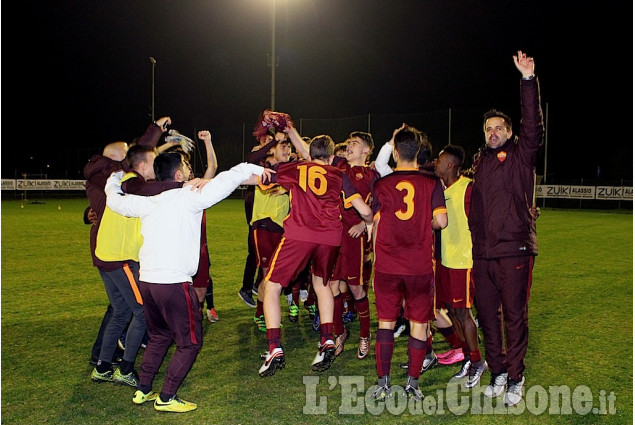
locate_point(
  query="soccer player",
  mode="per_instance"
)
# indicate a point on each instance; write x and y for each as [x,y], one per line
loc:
[442,321]
[270,207]
[312,233]
[408,205]
[455,283]
[252,273]
[349,269]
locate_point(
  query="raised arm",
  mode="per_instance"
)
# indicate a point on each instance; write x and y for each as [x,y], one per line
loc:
[259,153]
[524,64]
[383,157]
[301,146]
[154,131]
[212,163]
[532,127]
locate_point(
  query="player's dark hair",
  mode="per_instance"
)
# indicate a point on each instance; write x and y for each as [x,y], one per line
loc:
[166,164]
[457,152]
[408,140]
[321,147]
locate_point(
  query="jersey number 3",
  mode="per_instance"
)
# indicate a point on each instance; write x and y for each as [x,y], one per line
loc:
[408,200]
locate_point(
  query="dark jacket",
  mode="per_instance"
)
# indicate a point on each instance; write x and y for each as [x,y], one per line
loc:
[503,191]
[96,172]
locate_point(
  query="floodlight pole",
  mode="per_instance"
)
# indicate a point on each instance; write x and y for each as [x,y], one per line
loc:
[546,138]
[153,61]
[273,55]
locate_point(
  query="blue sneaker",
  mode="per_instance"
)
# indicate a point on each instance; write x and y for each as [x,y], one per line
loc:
[247,298]
[349,317]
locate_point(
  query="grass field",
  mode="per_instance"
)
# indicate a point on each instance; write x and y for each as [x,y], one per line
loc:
[581,322]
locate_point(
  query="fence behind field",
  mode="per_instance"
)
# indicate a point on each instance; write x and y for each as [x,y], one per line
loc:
[232,142]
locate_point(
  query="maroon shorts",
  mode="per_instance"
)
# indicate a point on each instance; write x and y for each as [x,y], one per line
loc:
[392,290]
[266,243]
[455,287]
[292,256]
[350,261]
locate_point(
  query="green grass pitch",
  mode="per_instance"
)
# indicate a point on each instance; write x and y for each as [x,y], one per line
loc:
[52,302]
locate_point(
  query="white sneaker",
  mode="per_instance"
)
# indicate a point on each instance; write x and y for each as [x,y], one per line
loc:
[465,368]
[474,374]
[514,392]
[273,362]
[429,362]
[304,295]
[383,390]
[399,330]
[497,385]
[412,390]
[324,357]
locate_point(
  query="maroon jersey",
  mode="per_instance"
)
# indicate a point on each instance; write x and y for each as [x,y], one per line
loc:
[315,197]
[363,178]
[406,201]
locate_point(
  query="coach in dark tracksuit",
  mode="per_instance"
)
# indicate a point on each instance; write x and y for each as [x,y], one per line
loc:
[504,234]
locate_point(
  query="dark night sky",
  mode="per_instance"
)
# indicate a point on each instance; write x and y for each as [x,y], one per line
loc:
[77,74]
